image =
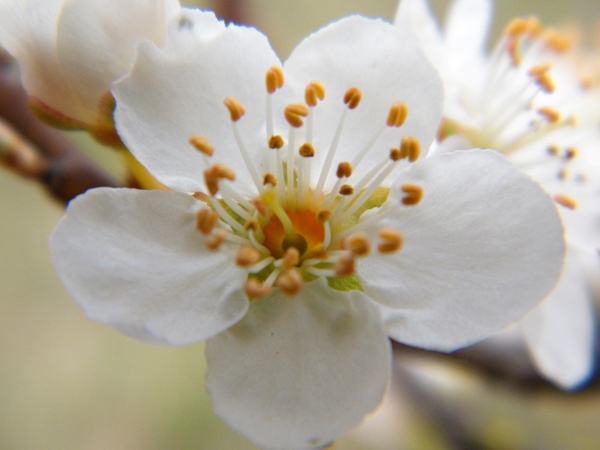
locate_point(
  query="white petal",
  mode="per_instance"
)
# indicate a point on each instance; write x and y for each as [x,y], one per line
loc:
[96,40]
[560,333]
[417,17]
[176,92]
[484,246]
[299,371]
[382,61]
[467,28]
[134,261]
[27,31]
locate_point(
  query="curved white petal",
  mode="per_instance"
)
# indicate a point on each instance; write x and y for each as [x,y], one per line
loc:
[133,260]
[382,61]
[299,371]
[483,247]
[177,91]
[418,18]
[467,27]
[27,31]
[560,333]
[96,40]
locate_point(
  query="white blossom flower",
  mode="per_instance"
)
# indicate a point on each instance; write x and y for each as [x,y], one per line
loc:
[70,51]
[528,100]
[282,240]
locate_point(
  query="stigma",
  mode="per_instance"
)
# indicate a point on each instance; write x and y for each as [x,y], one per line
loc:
[306,219]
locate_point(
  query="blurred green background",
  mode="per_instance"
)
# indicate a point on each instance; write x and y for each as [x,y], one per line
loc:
[67,383]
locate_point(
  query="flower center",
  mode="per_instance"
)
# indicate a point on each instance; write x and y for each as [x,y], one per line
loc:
[294,231]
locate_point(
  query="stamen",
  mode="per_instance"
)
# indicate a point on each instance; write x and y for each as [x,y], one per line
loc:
[276,142]
[225,216]
[516,27]
[539,70]
[396,154]
[344,170]
[352,97]
[294,113]
[346,190]
[550,114]
[215,173]
[553,150]
[345,265]
[558,42]
[214,241]
[290,259]
[247,256]
[358,244]
[414,194]
[269,178]
[323,216]
[410,148]
[313,93]
[306,150]
[201,144]
[274,79]
[566,201]
[236,110]
[546,83]
[206,220]
[397,115]
[391,240]
[571,153]
[255,289]
[290,282]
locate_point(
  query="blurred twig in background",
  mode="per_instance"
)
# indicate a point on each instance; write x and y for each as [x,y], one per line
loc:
[34,150]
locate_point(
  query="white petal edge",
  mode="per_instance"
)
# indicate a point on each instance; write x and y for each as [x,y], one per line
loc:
[387,66]
[484,246]
[176,92]
[467,27]
[561,332]
[417,16]
[133,260]
[299,371]
[95,41]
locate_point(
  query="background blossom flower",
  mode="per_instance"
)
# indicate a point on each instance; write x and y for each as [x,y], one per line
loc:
[70,51]
[528,100]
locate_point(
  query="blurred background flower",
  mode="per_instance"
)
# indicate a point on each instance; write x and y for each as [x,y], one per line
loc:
[67,383]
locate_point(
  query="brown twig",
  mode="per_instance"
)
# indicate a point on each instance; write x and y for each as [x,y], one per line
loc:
[231,11]
[40,152]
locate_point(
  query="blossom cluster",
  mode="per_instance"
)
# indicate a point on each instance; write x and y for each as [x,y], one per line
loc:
[315,208]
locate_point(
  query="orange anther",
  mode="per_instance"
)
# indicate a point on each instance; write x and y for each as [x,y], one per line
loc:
[345,265]
[201,144]
[206,221]
[274,79]
[414,194]
[397,115]
[344,170]
[255,289]
[236,110]
[276,142]
[294,113]
[306,150]
[290,282]
[352,97]
[358,244]
[391,240]
[566,201]
[313,93]
[247,256]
